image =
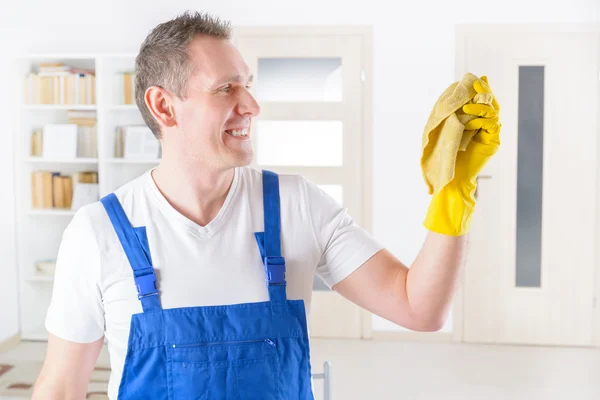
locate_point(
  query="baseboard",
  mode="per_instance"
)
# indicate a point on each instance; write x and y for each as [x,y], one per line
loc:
[10,343]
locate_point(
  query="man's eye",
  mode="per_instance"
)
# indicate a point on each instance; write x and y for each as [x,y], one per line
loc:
[226,89]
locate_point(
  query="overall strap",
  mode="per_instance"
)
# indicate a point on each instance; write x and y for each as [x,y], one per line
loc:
[143,272]
[270,242]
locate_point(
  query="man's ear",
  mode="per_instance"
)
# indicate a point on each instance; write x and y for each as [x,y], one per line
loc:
[160,103]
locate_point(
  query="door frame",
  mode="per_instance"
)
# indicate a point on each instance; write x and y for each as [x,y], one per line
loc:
[462,31]
[365,33]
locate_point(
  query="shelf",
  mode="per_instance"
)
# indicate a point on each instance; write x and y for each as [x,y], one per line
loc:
[42,160]
[52,212]
[124,107]
[40,278]
[132,161]
[58,107]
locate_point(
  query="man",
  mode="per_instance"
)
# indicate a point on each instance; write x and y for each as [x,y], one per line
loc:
[198,273]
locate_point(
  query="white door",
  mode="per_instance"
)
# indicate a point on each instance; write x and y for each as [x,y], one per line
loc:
[530,273]
[309,83]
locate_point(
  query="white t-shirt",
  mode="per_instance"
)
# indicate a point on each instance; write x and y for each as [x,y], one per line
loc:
[218,264]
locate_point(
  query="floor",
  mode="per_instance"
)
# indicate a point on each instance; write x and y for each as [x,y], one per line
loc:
[396,370]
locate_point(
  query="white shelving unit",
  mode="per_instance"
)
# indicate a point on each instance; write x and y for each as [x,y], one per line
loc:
[42,160]
[58,107]
[50,212]
[39,231]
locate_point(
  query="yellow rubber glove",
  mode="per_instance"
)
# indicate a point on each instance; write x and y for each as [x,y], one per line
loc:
[451,209]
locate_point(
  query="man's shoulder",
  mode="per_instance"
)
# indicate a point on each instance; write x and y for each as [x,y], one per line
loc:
[127,194]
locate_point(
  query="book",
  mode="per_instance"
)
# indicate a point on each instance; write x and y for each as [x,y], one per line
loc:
[85,177]
[37,189]
[36,142]
[86,132]
[119,141]
[62,191]
[53,190]
[125,87]
[67,186]
[58,194]
[42,195]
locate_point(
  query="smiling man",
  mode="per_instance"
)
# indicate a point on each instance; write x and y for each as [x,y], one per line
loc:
[198,274]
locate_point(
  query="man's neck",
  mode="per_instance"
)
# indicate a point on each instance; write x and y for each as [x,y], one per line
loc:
[197,192]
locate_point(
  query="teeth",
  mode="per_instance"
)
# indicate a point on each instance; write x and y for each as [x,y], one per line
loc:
[243,132]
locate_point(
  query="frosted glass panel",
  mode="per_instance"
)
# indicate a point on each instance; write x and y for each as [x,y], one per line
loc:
[300,143]
[530,176]
[335,191]
[299,79]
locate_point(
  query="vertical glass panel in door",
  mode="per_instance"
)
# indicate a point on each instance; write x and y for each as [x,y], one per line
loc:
[299,79]
[530,176]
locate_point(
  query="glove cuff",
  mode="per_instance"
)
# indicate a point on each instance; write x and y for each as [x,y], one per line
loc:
[451,210]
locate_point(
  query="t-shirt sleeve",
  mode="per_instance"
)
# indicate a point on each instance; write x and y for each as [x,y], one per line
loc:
[344,245]
[76,312]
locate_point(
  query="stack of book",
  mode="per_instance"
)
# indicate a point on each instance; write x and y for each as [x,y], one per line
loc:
[76,138]
[86,132]
[53,190]
[136,142]
[56,83]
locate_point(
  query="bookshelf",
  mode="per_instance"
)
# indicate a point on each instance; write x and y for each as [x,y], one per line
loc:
[51,212]
[123,107]
[57,107]
[81,161]
[39,231]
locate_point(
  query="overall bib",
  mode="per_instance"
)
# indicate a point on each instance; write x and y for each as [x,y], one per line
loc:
[242,351]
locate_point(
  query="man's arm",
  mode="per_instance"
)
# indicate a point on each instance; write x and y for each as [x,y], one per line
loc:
[75,317]
[67,369]
[418,298]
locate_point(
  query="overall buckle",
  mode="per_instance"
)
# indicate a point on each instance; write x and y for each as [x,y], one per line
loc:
[275,270]
[146,284]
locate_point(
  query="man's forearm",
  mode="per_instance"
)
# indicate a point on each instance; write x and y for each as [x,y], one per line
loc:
[67,369]
[51,387]
[433,278]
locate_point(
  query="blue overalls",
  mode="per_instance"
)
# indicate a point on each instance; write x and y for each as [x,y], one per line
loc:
[242,351]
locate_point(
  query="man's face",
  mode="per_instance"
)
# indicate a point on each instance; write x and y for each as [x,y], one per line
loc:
[214,120]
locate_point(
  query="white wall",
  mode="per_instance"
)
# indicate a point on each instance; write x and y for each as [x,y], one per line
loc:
[9,315]
[413,62]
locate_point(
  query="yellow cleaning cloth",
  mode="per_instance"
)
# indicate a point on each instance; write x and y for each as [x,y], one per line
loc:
[445,134]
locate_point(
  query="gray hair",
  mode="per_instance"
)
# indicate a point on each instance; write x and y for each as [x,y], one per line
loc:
[164,61]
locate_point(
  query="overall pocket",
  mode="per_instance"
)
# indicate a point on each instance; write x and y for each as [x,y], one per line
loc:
[240,370]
